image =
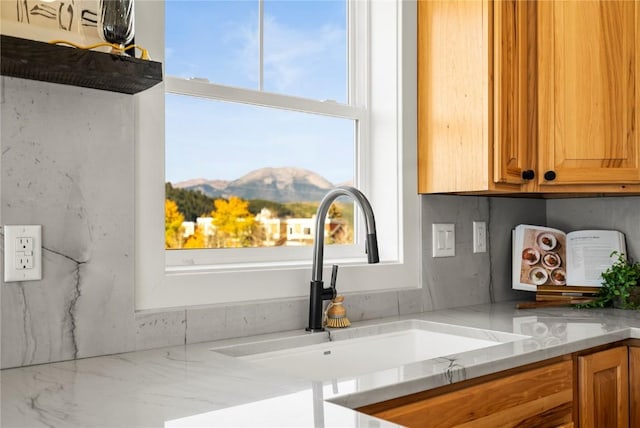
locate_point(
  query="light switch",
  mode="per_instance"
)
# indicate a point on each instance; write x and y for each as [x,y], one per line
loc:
[444,239]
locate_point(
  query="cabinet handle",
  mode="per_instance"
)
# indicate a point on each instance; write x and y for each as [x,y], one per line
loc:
[528,174]
[550,175]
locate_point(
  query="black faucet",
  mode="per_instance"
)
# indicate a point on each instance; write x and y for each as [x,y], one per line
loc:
[318,293]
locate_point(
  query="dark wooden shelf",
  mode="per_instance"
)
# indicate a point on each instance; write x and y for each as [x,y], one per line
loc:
[34,60]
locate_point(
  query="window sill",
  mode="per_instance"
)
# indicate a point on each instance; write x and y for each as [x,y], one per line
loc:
[29,59]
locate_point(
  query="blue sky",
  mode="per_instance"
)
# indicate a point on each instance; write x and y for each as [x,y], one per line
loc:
[304,54]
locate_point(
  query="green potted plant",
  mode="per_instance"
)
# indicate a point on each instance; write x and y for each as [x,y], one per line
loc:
[620,285]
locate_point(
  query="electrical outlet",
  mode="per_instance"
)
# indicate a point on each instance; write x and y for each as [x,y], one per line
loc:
[479,237]
[24,261]
[24,243]
[22,253]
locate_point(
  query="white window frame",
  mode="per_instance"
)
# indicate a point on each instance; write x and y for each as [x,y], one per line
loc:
[388,178]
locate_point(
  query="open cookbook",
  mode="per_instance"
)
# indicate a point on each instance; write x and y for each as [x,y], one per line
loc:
[544,256]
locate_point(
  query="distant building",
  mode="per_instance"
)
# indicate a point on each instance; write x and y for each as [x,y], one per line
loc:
[189,228]
[206,225]
[302,231]
[275,231]
[278,231]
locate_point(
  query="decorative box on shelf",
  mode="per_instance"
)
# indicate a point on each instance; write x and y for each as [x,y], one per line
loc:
[29,59]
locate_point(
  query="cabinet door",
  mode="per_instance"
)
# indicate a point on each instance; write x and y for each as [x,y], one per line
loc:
[589,91]
[634,386]
[513,65]
[453,104]
[459,119]
[603,388]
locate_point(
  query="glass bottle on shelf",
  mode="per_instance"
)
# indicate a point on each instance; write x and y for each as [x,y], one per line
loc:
[115,22]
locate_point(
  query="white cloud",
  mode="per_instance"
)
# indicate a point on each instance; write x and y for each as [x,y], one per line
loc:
[291,57]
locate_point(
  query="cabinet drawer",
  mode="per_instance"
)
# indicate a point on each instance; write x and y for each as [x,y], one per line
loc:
[535,398]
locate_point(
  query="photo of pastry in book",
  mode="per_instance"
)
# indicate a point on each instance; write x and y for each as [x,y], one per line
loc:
[544,256]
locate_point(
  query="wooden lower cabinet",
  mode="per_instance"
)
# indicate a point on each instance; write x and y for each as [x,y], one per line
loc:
[540,397]
[634,386]
[603,388]
[597,388]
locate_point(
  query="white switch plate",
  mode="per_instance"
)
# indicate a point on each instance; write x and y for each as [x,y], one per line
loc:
[479,237]
[22,253]
[444,239]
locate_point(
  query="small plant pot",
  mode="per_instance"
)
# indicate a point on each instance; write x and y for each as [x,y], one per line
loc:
[633,301]
[634,297]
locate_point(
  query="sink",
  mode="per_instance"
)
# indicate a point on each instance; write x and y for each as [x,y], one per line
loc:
[361,350]
[367,354]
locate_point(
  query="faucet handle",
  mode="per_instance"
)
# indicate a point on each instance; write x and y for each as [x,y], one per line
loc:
[334,277]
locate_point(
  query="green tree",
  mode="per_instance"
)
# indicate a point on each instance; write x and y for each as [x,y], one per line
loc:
[302,209]
[278,209]
[191,203]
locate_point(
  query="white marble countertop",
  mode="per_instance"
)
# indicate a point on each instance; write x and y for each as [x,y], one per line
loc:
[193,386]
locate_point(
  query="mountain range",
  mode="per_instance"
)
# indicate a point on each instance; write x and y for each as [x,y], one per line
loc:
[286,184]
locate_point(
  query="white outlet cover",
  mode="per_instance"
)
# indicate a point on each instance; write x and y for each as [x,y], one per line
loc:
[479,237]
[12,234]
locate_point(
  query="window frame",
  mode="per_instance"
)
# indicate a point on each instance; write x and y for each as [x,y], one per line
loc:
[286,272]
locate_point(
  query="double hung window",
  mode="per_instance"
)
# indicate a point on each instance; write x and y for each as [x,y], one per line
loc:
[265,106]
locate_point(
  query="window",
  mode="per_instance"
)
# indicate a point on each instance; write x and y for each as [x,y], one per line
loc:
[248,125]
[365,121]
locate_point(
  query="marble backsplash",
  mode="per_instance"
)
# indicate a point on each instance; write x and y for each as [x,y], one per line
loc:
[68,166]
[614,213]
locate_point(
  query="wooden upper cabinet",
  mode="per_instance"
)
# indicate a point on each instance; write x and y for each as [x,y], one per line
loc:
[513,86]
[468,97]
[545,88]
[589,91]
[603,389]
